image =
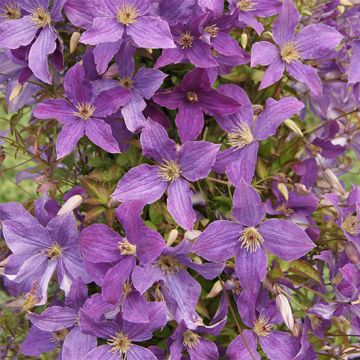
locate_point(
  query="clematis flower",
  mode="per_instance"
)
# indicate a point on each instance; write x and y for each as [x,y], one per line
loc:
[60,324]
[174,171]
[129,18]
[193,98]
[120,335]
[247,11]
[247,238]
[32,22]
[312,42]
[82,113]
[39,251]
[245,131]
[141,85]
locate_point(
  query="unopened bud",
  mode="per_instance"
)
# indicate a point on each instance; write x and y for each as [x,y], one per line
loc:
[172,237]
[333,180]
[71,204]
[294,127]
[283,190]
[346,3]
[244,40]
[74,41]
[216,289]
[282,303]
[16,91]
[192,235]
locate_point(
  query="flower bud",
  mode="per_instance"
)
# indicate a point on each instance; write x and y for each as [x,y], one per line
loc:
[172,237]
[282,303]
[283,190]
[333,180]
[294,127]
[16,91]
[216,289]
[70,205]
[244,40]
[74,41]
[192,235]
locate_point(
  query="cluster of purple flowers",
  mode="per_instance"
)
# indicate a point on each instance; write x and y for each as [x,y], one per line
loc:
[275,265]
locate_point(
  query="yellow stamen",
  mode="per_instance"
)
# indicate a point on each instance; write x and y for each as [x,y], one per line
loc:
[53,251]
[84,110]
[30,301]
[127,248]
[241,136]
[190,339]
[262,326]
[213,30]
[289,52]
[186,40]
[246,5]
[192,97]
[40,17]
[10,11]
[59,335]
[119,343]
[169,265]
[127,14]
[126,82]
[251,239]
[169,170]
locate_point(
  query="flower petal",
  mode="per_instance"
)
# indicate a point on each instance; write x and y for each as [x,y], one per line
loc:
[279,345]
[58,109]
[135,308]
[108,102]
[77,344]
[68,137]
[137,352]
[237,350]
[273,73]
[147,81]
[189,121]
[263,53]
[102,352]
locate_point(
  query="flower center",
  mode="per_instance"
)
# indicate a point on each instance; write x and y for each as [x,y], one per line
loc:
[262,326]
[351,225]
[169,265]
[84,110]
[289,52]
[250,239]
[192,97]
[126,82]
[119,343]
[30,301]
[246,5]
[190,339]
[127,248]
[59,335]
[53,251]
[11,11]
[169,170]
[241,136]
[127,14]
[40,17]
[186,40]
[213,30]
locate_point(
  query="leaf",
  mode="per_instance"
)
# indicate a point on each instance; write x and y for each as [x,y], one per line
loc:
[302,268]
[155,214]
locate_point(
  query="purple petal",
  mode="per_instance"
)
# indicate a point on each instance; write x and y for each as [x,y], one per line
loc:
[140,183]
[327,39]
[224,158]
[99,244]
[200,55]
[284,26]
[108,102]
[279,345]
[54,318]
[125,60]
[143,277]
[44,45]
[219,241]
[151,32]
[196,159]
[132,113]
[147,81]
[139,353]
[37,342]
[274,114]
[306,74]
[354,69]
[77,295]
[68,137]
[263,53]
[58,109]
[189,121]
[103,54]
[77,344]
[104,30]
[249,19]
[237,350]
[169,99]
[207,270]
[16,33]
[179,203]
[248,208]
[170,56]
[216,104]
[63,230]
[285,239]
[155,142]
[273,73]
[135,309]
[250,268]
[102,352]
[204,349]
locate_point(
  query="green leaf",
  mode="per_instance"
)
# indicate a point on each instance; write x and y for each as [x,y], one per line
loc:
[155,214]
[304,269]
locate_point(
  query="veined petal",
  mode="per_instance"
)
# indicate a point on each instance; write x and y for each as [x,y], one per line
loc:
[279,345]
[137,352]
[147,81]
[189,121]
[58,109]
[200,55]
[109,101]
[215,103]
[135,308]
[237,350]
[68,137]
[102,352]
[77,344]
[273,73]
[263,53]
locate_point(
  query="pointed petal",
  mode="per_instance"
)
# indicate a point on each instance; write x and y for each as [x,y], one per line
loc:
[58,109]
[77,344]
[273,73]
[63,230]
[37,342]
[147,81]
[263,53]
[179,203]
[102,352]
[143,277]
[135,308]
[237,350]
[285,239]
[279,345]
[103,54]
[200,55]
[215,103]
[68,138]
[203,350]
[108,102]
[140,183]
[219,241]
[248,208]
[189,121]
[139,353]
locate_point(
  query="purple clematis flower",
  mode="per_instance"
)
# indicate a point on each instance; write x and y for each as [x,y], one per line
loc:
[175,169]
[312,42]
[39,251]
[247,11]
[141,85]
[244,132]
[32,22]
[193,98]
[62,322]
[83,112]
[129,18]
[121,335]
[247,239]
